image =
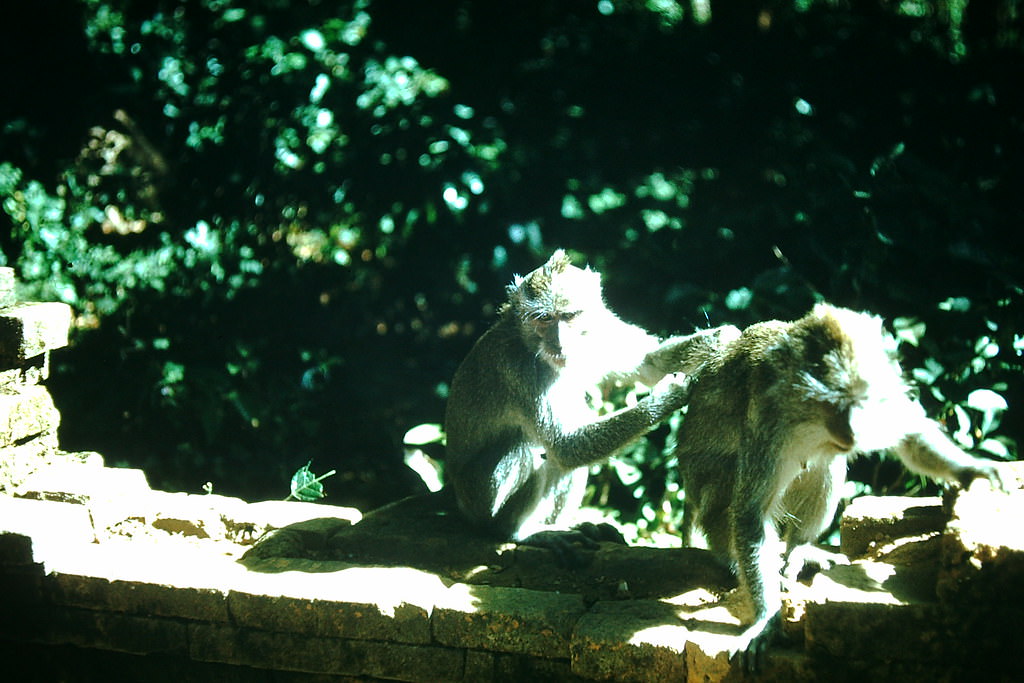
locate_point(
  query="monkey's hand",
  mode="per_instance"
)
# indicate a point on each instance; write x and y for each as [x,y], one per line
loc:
[668,396]
[983,470]
[685,354]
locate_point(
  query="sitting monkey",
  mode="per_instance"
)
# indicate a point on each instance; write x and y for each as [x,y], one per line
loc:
[770,425]
[519,427]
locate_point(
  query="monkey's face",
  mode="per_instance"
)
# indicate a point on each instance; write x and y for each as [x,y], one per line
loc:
[863,382]
[556,311]
[551,331]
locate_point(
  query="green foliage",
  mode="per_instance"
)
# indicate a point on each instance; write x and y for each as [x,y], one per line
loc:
[282,224]
[306,486]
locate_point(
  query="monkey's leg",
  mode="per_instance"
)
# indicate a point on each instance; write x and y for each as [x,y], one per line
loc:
[545,527]
[810,506]
[757,549]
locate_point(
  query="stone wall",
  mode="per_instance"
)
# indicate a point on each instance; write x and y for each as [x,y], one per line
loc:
[28,418]
[102,578]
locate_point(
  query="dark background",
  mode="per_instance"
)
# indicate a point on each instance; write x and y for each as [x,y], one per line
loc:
[283,224]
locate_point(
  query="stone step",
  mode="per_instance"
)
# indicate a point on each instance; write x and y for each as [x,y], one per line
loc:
[29,329]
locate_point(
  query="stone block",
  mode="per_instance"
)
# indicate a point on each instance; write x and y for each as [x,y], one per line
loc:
[876,520]
[15,549]
[515,620]
[330,656]
[690,637]
[29,329]
[875,631]
[21,578]
[117,632]
[84,482]
[226,518]
[523,668]
[277,613]
[35,370]
[138,597]
[26,413]
[54,528]
[7,296]
[18,463]
[983,544]
[873,610]
[333,600]
[636,640]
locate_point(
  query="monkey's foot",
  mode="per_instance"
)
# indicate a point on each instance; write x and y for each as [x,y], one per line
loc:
[569,545]
[602,532]
[756,640]
[805,561]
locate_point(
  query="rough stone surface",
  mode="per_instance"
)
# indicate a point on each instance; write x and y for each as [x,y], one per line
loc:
[164,596]
[637,640]
[115,631]
[26,413]
[138,597]
[82,482]
[502,619]
[20,462]
[34,370]
[870,521]
[382,603]
[868,613]
[288,652]
[133,576]
[425,532]
[29,329]
[6,287]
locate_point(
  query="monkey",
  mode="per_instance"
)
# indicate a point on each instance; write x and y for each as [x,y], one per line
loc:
[770,425]
[520,432]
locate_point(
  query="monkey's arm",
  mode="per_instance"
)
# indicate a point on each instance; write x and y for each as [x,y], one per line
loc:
[578,443]
[686,353]
[927,450]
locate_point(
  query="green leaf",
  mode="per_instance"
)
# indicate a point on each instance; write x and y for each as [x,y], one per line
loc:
[306,486]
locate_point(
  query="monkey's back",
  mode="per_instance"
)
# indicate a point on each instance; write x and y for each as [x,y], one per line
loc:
[487,414]
[724,414]
[721,397]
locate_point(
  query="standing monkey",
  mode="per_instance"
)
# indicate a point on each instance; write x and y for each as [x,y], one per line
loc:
[770,425]
[520,430]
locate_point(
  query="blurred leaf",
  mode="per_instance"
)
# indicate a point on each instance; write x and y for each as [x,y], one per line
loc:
[990,404]
[996,448]
[423,434]
[430,471]
[909,330]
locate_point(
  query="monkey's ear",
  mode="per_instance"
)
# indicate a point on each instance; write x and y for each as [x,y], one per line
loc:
[512,289]
[558,262]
